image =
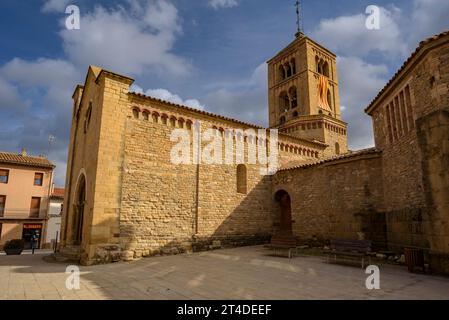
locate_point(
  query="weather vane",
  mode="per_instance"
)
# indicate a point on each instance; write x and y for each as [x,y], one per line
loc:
[299,18]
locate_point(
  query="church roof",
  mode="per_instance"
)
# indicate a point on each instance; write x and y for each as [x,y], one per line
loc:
[420,50]
[349,155]
[298,39]
[206,113]
[58,193]
[213,115]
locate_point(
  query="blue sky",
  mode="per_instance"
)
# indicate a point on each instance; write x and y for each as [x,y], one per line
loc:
[209,54]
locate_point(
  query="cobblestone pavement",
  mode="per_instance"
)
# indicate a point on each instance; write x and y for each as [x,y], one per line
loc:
[241,273]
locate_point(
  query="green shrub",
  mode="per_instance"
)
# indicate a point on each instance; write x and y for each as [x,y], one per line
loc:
[14,244]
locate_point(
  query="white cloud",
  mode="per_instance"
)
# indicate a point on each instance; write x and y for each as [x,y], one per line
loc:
[138,37]
[217,4]
[55,5]
[400,32]
[53,81]
[30,73]
[11,101]
[359,83]
[162,16]
[131,40]
[348,35]
[429,17]
[244,99]
[55,77]
[166,95]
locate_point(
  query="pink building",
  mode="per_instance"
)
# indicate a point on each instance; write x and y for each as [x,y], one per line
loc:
[25,186]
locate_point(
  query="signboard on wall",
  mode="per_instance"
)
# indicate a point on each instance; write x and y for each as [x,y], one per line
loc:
[32,226]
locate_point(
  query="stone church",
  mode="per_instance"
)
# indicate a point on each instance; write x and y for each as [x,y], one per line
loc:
[125,199]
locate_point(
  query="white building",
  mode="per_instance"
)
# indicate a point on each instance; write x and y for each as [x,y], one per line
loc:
[54,217]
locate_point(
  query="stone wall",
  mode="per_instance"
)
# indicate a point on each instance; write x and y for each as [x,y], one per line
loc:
[433,134]
[170,208]
[409,129]
[294,151]
[321,128]
[96,154]
[404,201]
[158,198]
[335,135]
[137,200]
[431,87]
[336,199]
[83,156]
[431,81]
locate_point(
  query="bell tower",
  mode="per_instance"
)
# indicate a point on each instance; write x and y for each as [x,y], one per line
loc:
[303,96]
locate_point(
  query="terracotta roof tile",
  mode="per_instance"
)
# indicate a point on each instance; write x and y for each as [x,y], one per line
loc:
[15,158]
[58,193]
[197,110]
[334,158]
[318,143]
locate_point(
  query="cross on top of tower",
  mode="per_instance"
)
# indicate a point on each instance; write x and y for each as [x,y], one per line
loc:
[299,23]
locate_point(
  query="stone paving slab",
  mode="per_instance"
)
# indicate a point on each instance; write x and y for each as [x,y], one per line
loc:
[241,273]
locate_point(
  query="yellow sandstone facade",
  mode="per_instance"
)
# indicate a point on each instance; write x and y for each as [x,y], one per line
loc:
[125,198]
[304,99]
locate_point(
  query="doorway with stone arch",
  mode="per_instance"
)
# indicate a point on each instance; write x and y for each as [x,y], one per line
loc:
[283,233]
[78,211]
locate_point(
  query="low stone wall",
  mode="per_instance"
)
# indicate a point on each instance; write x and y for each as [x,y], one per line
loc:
[406,227]
[169,208]
[337,199]
[433,137]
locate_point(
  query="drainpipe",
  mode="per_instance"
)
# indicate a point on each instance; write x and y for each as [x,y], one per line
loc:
[197,131]
[50,187]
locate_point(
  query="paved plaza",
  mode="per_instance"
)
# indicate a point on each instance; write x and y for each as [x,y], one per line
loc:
[241,273]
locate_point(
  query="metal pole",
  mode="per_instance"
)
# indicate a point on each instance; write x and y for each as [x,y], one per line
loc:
[56,242]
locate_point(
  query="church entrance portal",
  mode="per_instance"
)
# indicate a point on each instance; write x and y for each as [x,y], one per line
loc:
[78,208]
[283,235]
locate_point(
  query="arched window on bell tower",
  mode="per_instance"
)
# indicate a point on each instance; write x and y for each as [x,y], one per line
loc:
[322,67]
[326,69]
[282,120]
[329,100]
[292,92]
[289,70]
[293,63]
[281,73]
[284,102]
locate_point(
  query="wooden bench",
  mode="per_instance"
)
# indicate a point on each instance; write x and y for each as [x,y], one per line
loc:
[290,249]
[350,249]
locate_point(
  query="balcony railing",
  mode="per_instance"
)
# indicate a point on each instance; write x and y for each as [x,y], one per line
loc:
[23,214]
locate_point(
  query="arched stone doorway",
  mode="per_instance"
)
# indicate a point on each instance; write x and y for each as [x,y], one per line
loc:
[283,234]
[283,201]
[78,210]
